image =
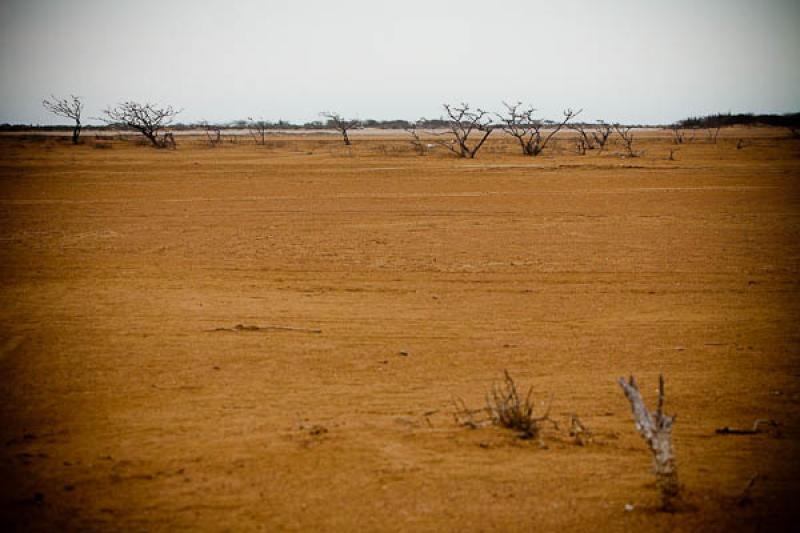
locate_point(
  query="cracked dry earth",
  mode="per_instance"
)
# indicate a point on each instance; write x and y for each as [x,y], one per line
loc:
[272,337]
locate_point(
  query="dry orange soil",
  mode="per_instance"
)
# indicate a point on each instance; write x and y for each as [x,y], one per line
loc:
[385,285]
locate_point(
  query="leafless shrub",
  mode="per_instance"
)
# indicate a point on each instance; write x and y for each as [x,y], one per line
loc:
[601,133]
[656,430]
[213,133]
[585,140]
[626,136]
[148,119]
[461,123]
[519,122]
[508,409]
[71,108]
[258,129]
[678,133]
[335,120]
[505,408]
[420,147]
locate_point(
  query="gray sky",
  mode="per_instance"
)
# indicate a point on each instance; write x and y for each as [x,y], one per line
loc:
[651,61]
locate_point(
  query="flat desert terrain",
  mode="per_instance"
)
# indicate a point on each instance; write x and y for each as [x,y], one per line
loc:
[275,337]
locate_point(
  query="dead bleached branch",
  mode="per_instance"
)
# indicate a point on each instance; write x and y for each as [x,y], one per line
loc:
[656,429]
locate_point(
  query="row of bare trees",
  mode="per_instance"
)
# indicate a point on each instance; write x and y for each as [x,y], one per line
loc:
[467,130]
[148,119]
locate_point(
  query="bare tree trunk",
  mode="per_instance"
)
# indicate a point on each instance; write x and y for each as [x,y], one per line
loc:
[656,430]
[152,138]
[76,132]
[346,138]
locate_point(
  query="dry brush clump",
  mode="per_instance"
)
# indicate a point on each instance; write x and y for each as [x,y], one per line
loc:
[507,408]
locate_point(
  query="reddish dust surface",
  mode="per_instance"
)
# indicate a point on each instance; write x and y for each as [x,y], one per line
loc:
[384,286]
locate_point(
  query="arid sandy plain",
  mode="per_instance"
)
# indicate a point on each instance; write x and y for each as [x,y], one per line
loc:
[384,285]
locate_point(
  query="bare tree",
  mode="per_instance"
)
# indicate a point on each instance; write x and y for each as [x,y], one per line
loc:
[656,430]
[678,134]
[258,129]
[520,123]
[626,135]
[213,133]
[68,108]
[600,134]
[585,139]
[416,141]
[461,123]
[148,119]
[592,136]
[335,120]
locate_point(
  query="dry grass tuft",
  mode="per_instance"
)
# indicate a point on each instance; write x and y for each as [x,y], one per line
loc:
[507,409]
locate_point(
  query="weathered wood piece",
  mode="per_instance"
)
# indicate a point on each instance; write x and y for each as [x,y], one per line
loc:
[656,430]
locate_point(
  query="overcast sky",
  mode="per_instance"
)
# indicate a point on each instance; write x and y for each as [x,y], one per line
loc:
[649,61]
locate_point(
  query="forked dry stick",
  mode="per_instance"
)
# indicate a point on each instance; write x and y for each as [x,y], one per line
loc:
[656,430]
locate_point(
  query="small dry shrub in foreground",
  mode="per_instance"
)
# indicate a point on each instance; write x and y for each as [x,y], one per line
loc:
[505,407]
[508,409]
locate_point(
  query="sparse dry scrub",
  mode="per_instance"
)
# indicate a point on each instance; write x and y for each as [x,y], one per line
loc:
[506,408]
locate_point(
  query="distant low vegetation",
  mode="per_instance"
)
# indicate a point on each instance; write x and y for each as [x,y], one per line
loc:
[397,124]
[788,120]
